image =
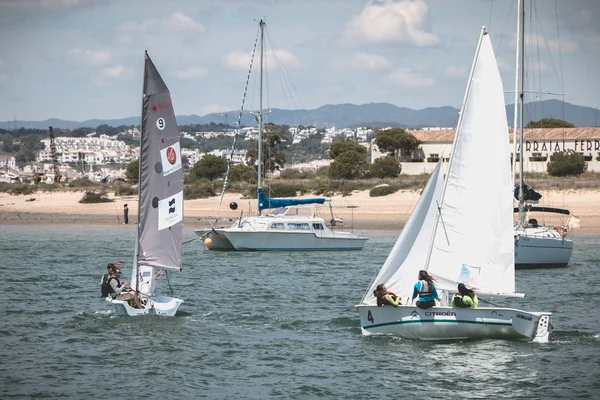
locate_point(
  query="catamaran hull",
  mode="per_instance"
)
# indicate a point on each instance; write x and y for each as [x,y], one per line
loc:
[158,305]
[222,239]
[538,250]
[443,323]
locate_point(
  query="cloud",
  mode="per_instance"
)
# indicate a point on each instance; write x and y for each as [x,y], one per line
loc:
[370,61]
[392,21]
[192,72]
[1,62]
[456,71]
[213,108]
[40,5]
[592,42]
[409,78]
[178,22]
[113,72]
[91,57]
[241,59]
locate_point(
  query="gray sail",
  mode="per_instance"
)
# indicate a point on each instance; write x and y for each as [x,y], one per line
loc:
[160,228]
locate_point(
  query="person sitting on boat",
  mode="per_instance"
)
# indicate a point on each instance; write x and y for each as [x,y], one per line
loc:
[385,297]
[118,291]
[465,298]
[425,290]
[104,282]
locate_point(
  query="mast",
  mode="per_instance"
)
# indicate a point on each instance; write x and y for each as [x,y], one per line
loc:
[516,101]
[260,107]
[520,78]
[134,271]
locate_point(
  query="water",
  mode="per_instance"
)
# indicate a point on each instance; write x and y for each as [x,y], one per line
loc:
[267,325]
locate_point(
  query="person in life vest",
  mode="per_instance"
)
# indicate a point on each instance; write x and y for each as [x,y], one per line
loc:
[104,282]
[117,290]
[465,298]
[425,290]
[385,297]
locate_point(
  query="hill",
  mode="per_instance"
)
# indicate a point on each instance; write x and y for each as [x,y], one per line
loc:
[347,115]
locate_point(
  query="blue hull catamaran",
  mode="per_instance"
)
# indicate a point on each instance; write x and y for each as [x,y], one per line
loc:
[160,206]
[456,237]
[292,224]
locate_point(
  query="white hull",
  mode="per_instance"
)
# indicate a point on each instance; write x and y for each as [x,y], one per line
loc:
[239,240]
[541,248]
[159,305]
[444,323]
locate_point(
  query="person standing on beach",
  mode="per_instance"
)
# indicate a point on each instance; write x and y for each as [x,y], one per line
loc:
[125,214]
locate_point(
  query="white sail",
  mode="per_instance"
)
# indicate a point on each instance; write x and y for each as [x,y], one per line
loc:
[473,242]
[409,253]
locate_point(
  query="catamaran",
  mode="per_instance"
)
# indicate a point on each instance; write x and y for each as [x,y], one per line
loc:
[456,237]
[292,225]
[160,206]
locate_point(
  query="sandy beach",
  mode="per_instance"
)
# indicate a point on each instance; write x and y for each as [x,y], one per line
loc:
[370,213]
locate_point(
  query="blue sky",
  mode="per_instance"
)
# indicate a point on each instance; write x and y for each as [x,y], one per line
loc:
[83,59]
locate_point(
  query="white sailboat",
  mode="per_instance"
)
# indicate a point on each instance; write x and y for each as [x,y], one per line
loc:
[292,225]
[536,245]
[160,206]
[458,238]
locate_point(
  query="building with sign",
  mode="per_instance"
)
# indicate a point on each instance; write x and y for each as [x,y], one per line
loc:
[539,145]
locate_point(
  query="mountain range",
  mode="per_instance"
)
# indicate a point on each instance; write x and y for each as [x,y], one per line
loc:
[346,116]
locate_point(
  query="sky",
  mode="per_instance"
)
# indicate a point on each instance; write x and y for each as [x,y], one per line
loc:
[83,59]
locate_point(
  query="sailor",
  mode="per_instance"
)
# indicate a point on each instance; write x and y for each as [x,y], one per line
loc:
[465,298]
[425,290]
[385,297]
[105,281]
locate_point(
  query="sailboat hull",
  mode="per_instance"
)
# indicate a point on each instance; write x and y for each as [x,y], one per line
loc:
[541,248]
[158,305]
[444,323]
[245,240]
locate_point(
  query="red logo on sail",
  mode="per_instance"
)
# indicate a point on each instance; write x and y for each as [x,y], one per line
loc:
[171,155]
[163,105]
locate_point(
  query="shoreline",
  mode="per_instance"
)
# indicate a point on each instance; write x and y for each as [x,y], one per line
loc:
[359,211]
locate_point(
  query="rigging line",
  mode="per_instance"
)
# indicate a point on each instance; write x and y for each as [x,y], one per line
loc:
[505,24]
[230,161]
[558,76]
[490,17]
[282,79]
[562,77]
[294,91]
[489,302]
[169,282]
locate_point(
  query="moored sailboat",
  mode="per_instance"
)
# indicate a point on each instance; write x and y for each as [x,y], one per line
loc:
[160,207]
[536,245]
[456,237]
[287,227]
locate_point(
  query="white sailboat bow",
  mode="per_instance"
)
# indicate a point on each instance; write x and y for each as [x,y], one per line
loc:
[160,209]
[457,236]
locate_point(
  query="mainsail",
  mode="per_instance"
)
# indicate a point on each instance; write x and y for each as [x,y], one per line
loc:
[473,243]
[160,212]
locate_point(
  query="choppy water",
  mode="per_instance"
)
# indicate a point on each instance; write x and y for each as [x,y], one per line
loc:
[267,325]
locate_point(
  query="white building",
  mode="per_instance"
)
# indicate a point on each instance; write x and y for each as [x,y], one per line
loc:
[539,145]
